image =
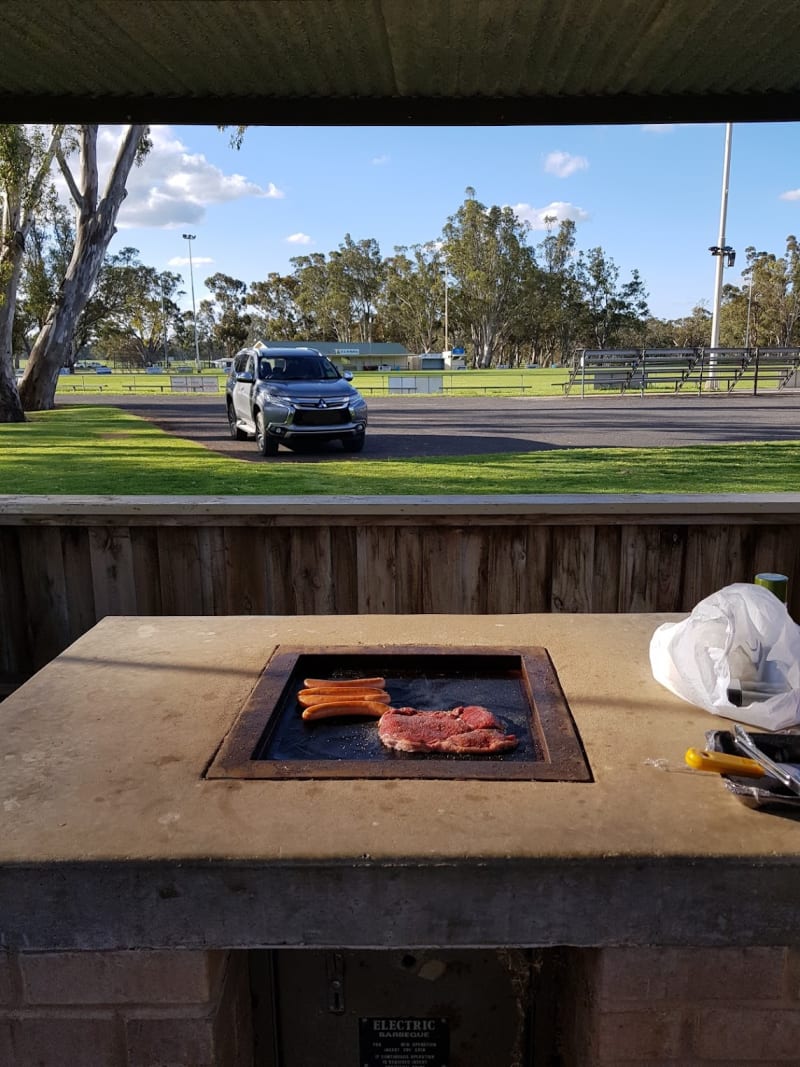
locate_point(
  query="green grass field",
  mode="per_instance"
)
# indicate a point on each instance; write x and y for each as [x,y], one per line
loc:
[539,383]
[372,383]
[102,450]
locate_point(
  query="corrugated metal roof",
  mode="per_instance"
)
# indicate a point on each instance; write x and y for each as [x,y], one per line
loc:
[399,60]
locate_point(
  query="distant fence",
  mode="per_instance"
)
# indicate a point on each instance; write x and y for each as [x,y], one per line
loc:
[194,383]
[66,562]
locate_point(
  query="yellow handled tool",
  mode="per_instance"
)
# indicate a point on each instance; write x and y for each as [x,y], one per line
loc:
[721,763]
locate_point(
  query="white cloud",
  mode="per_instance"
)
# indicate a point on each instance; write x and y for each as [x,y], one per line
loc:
[298,239]
[659,127]
[173,187]
[562,164]
[378,161]
[557,210]
[791,194]
[183,261]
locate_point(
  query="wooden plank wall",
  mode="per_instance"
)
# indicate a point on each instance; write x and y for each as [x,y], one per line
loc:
[60,574]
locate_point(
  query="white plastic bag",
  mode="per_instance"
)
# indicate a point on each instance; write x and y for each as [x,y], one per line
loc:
[741,632]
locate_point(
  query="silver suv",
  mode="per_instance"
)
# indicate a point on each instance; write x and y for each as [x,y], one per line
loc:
[295,396]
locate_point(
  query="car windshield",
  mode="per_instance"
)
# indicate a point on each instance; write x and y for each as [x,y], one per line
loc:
[296,368]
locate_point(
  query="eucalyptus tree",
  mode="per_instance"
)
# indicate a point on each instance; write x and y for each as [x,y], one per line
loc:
[26,156]
[322,297]
[609,306]
[775,295]
[411,305]
[694,330]
[232,326]
[362,275]
[136,308]
[95,225]
[485,250]
[561,300]
[274,311]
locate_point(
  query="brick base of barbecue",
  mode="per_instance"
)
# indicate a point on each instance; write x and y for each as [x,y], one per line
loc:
[679,1006]
[125,1009]
[615,1006]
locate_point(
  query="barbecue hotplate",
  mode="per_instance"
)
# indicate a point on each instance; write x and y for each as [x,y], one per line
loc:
[270,739]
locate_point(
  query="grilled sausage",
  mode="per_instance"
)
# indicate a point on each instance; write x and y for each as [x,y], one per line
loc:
[308,697]
[332,709]
[336,683]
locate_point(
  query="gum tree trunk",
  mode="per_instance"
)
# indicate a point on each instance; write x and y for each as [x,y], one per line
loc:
[19,196]
[94,230]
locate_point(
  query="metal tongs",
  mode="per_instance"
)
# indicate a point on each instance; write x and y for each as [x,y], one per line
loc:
[787,776]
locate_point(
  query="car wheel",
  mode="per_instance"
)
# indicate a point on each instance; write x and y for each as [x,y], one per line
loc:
[236,432]
[266,445]
[354,444]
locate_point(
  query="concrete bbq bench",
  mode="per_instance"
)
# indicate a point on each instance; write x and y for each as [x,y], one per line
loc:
[118,856]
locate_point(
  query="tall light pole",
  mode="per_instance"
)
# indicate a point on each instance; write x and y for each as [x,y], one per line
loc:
[445,315]
[190,237]
[721,251]
[164,318]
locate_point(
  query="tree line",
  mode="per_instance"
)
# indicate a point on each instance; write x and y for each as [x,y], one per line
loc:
[480,284]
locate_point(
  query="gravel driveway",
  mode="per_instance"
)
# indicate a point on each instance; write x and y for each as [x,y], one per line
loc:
[472,426]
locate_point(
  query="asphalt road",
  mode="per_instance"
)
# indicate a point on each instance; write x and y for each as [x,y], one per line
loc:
[470,426]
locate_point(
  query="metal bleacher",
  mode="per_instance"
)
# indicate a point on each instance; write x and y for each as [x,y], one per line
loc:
[684,369]
[773,369]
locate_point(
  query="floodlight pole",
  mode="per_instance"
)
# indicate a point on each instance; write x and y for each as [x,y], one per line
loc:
[164,319]
[719,251]
[445,315]
[190,237]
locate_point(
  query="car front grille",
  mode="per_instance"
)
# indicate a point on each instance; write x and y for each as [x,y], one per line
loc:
[321,417]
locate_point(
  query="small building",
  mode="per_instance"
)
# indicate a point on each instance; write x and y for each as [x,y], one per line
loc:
[427,361]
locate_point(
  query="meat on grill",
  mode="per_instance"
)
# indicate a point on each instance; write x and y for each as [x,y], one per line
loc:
[467,729]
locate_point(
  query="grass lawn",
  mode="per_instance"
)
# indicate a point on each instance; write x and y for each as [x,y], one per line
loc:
[371,383]
[103,451]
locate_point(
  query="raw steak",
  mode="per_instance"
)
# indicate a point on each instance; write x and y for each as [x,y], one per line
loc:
[467,729]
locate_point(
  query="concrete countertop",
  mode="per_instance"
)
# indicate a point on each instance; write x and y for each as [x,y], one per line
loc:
[112,837]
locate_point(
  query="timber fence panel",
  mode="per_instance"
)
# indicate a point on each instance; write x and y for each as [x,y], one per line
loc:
[212,544]
[79,584]
[454,570]
[113,579]
[409,573]
[345,571]
[146,572]
[507,570]
[62,566]
[778,549]
[606,581]
[180,570]
[46,605]
[310,565]
[278,567]
[671,551]
[16,650]
[377,567]
[573,569]
[237,572]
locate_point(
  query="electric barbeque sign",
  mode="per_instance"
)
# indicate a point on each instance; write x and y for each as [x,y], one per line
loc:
[404,1042]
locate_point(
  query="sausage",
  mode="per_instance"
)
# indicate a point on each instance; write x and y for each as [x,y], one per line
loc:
[336,683]
[331,709]
[308,697]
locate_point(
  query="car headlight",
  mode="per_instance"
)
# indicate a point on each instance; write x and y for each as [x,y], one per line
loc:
[280,401]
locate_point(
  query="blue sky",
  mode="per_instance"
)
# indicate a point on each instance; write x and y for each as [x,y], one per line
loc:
[650,196]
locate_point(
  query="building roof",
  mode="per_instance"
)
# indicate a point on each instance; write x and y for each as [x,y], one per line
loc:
[343,348]
[399,61]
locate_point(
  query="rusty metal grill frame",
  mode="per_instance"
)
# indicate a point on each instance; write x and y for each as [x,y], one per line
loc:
[551,724]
